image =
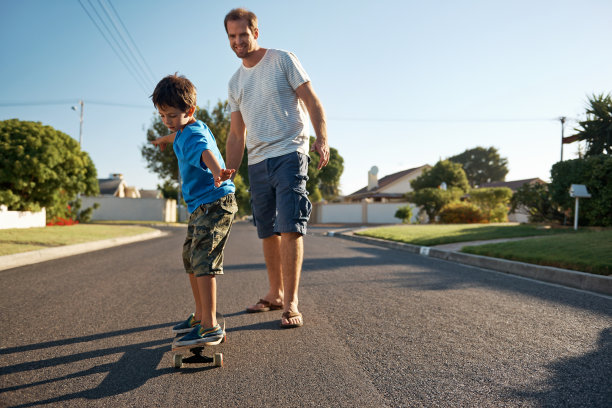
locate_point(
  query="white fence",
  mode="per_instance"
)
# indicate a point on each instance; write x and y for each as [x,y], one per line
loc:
[131,209]
[359,213]
[22,219]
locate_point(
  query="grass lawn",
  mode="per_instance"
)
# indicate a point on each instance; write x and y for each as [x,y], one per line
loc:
[588,252]
[29,239]
[438,234]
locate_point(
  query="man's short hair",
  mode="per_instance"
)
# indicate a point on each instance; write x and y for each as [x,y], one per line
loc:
[241,14]
[175,91]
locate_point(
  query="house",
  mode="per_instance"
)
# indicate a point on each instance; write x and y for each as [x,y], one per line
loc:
[115,186]
[513,185]
[391,188]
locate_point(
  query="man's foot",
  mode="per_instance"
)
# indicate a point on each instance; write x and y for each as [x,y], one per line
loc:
[201,336]
[186,326]
[263,306]
[291,320]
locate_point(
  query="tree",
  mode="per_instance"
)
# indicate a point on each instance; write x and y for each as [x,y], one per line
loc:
[482,165]
[597,128]
[538,202]
[432,200]
[324,183]
[444,171]
[43,167]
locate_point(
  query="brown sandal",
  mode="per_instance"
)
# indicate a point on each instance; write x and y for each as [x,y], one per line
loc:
[289,315]
[265,307]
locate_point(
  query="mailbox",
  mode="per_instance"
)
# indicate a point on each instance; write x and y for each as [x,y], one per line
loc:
[579,191]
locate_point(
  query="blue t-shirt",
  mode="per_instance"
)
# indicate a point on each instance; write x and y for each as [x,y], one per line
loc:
[197,179]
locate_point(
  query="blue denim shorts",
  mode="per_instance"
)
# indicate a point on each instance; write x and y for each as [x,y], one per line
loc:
[279,199]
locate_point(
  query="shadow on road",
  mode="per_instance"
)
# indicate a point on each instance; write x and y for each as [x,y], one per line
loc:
[584,381]
[138,364]
[418,272]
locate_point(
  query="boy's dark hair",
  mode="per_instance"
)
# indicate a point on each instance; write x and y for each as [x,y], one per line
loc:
[175,91]
[241,14]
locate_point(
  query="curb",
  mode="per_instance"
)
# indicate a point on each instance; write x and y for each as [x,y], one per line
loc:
[565,277]
[47,254]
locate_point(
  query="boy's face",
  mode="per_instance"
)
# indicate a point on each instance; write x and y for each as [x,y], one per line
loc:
[175,119]
[242,40]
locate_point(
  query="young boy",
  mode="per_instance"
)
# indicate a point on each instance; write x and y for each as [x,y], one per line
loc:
[210,199]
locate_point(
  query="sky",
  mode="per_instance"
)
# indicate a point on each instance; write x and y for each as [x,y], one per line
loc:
[403,83]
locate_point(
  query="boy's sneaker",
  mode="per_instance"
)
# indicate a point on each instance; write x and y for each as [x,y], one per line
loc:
[186,326]
[201,336]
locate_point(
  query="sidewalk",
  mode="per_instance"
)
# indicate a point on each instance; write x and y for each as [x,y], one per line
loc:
[47,254]
[450,252]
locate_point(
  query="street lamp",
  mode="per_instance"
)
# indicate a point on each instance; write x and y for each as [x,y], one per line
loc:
[74,108]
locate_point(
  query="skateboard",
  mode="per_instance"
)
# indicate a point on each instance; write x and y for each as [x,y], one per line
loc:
[196,350]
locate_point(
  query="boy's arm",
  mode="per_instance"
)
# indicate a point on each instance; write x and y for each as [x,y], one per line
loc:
[317,116]
[219,174]
[163,141]
[234,148]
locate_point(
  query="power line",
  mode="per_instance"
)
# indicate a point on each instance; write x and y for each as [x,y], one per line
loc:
[131,69]
[130,52]
[72,101]
[132,40]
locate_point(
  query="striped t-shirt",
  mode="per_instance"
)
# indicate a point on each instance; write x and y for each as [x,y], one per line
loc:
[274,116]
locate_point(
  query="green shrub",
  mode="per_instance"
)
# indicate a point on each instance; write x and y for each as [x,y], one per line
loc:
[432,200]
[596,173]
[461,213]
[404,213]
[493,202]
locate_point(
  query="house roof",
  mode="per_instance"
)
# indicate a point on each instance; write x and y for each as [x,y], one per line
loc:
[384,182]
[512,185]
[109,186]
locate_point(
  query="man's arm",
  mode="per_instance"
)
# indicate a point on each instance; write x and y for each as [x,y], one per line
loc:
[234,148]
[317,116]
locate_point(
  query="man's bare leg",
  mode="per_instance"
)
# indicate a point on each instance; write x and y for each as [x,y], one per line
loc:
[292,254]
[272,256]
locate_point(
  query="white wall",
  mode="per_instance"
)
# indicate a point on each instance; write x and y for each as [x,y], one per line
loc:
[131,209]
[340,213]
[22,219]
[359,213]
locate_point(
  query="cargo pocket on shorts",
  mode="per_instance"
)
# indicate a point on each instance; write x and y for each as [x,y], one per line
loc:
[303,206]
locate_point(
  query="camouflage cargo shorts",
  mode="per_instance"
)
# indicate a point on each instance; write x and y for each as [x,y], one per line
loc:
[207,233]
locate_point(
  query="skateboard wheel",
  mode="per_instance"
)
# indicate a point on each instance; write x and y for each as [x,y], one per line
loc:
[218,359]
[178,361]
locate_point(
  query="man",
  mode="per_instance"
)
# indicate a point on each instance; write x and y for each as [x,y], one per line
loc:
[267,95]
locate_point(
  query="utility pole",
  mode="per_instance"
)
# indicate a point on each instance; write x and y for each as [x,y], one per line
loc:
[562,119]
[80,123]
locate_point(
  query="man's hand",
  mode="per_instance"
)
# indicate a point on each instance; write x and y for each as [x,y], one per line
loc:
[321,147]
[225,174]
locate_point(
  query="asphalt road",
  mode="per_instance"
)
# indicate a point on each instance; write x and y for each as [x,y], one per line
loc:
[382,328]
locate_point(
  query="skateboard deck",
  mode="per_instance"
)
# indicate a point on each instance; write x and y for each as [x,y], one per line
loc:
[196,350]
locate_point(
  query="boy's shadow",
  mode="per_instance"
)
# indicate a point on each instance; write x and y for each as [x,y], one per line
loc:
[138,364]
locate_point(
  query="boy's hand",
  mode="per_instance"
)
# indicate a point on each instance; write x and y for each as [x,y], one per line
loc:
[160,142]
[225,174]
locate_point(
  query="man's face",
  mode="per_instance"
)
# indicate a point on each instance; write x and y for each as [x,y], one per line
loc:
[174,118]
[242,40]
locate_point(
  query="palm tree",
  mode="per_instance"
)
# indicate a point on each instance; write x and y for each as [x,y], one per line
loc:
[597,128]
